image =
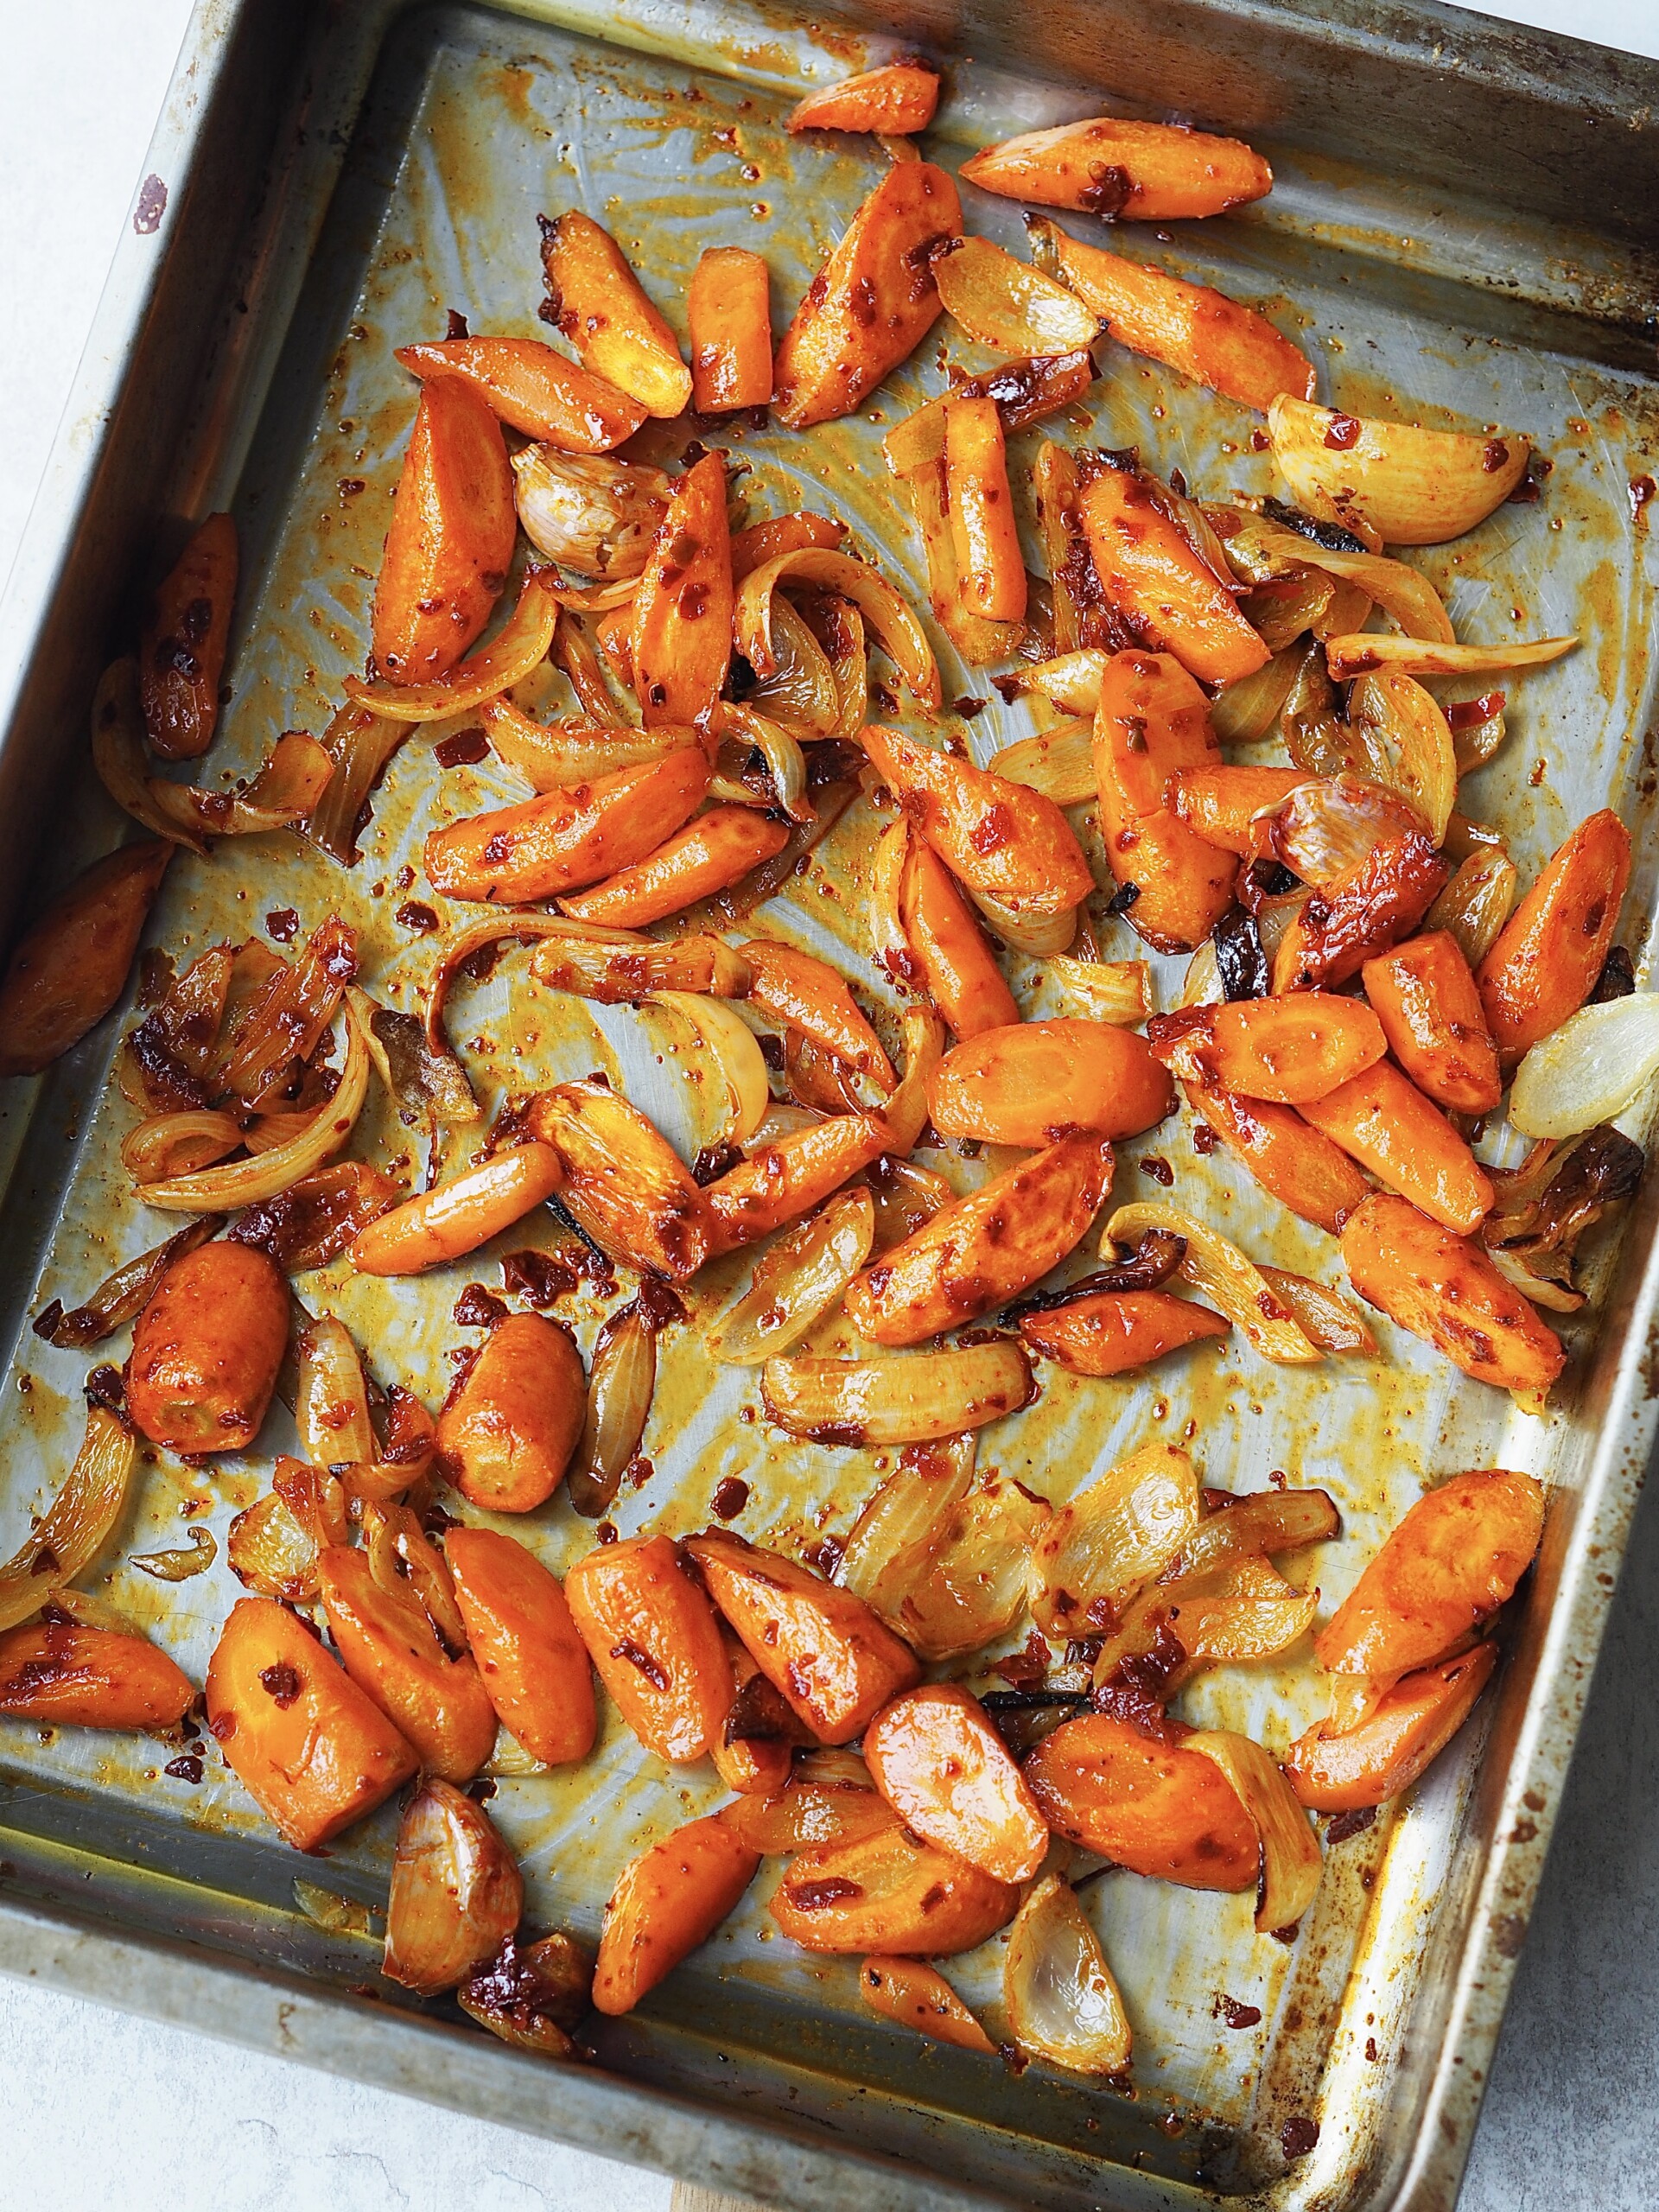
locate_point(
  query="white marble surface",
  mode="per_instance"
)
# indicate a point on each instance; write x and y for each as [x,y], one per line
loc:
[157,2120]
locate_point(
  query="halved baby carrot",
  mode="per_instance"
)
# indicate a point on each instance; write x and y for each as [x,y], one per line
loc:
[459,1216]
[1300,1165]
[1408,1728]
[58,1672]
[1119,169]
[1111,1332]
[780,1181]
[594,299]
[666,1902]
[512,1422]
[450,544]
[1145,1803]
[580,835]
[1381,1120]
[1170,596]
[531,1660]
[959,968]
[652,1635]
[531,388]
[391,1652]
[1550,951]
[207,1348]
[808,995]
[936,1758]
[911,1994]
[754,1751]
[716,850]
[181,656]
[990,568]
[683,611]
[892,1893]
[68,969]
[728,318]
[1219,803]
[1036,1082]
[1296,1049]
[895,101]
[1427,1000]
[1152,722]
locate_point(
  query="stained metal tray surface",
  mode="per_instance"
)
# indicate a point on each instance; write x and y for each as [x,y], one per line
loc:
[338,178]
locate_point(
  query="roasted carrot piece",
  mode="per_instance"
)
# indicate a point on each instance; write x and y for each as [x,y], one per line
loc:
[459,1216]
[1152,722]
[207,1348]
[1294,1050]
[1427,1000]
[182,657]
[511,1425]
[786,1178]
[1381,1120]
[391,1652]
[71,967]
[728,317]
[566,838]
[1550,951]
[717,849]
[1189,328]
[990,568]
[895,101]
[594,299]
[652,1635]
[998,837]
[892,1893]
[1446,1290]
[1337,931]
[312,1749]
[764,541]
[1110,1332]
[624,1184]
[683,614]
[753,1753]
[1036,1082]
[1454,1558]
[1219,803]
[872,302]
[1024,392]
[1165,591]
[1141,172]
[941,1765]
[1407,1731]
[985,1249]
[807,995]
[450,544]
[1144,1802]
[668,1900]
[835,1663]
[531,1660]
[959,968]
[913,1994]
[531,388]
[56,1671]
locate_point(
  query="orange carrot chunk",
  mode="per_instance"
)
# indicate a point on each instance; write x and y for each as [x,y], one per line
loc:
[1406,1731]
[531,388]
[1123,170]
[717,849]
[653,1636]
[1036,1082]
[1144,1803]
[1550,951]
[1152,724]
[70,969]
[1220,804]
[1165,591]
[60,1673]
[1430,1009]
[896,101]
[682,641]
[181,656]
[450,544]
[1111,1332]
[668,1900]
[729,318]
[957,965]
[533,1664]
[941,1766]
[1297,1049]
[1381,1120]
[990,568]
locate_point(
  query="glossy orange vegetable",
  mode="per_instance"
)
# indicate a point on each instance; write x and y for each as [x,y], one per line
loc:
[456,1893]
[782,1180]
[806,994]
[990,568]
[69,969]
[55,1671]
[1550,951]
[181,656]
[1406,1730]
[1446,1290]
[1162,588]
[624,1184]
[1145,1802]
[1381,1120]
[1219,803]
[1333,934]
[565,838]
[388,1648]
[998,837]
[457,1216]
[1426,999]
[764,541]
[836,1664]
[754,1751]
[1036,1082]
[957,968]
[913,1994]
[532,1662]
[872,302]
[890,1892]
[936,1759]
[509,1427]
[716,850]
[1110,1332]
[668,1900]
[652,1635]
[311,1748]
[1294,1050]
[683,611]
[895,101]
[985,1249]
[1454,1558]
[1189,328]
[1142,172]
[594,299]
[1301,1167]
[1153,722]
[450,544]
[206,1350]
[728,317]
[531,388]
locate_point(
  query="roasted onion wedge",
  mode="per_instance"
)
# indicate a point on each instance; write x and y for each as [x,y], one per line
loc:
[1397,483]
[909,1399]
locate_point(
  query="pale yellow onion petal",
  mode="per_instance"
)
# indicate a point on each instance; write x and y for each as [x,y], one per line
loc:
[796,1282]
[1221,1275]
[1258,549]
[588,511]
[785,762]
[1118,991]
[1265,1521]
[182,1562]
[1241,1613]
[1325,1316]
[902,1398]
[551,756]
[1291,1864]
[1059,762]
[980,641]
[616,966]
[1201,986]
[1010,307]
[1597,1064]
[903,1521]
[735,1055]
[519,646]
[970,1584]
[339,1916]
[271,1553]
[1403,726]
[1351,656]
[1063,2005]
[1071,680]
[1246,710]
[889,947]
[896,630]
[620,1383]
[906,1111]
[1408,486]
[799,690]
[331,1398]
[1040,935]
[1476,904]
[198,1136]
[597,599]
[78,1523]
[1121,1531]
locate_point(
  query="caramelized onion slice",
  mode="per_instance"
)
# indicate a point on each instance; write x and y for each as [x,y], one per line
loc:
[1357,653]
[456,1892]
[123,1295]
[1120,1532]
[896,1532]
[78,1523]
[796,1282]
[520,645]
[1118,991]
[1325,1318]
[810,1813]
[617,966]
[894,625]
[1406,733]
[1062,2004]
[533,1997]
[906,1111]
[1392,481]
[619,1386]
[1291,1864]
[1003,303]
[1059,762]
[733,1057]
[1042,936]
[1259,550]
[178,1144]
[1476,904]
[1259,1522]
[359,744]
[1595,1065]
[331,1398]
[1221,1275]
[911,1398]
[1071,680]
[970,1585]
[588,511]
[179,1562]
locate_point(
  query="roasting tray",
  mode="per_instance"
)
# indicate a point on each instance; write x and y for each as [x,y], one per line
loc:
[1465,227]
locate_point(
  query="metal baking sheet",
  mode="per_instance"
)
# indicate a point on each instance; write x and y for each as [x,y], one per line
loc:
[1377,2022]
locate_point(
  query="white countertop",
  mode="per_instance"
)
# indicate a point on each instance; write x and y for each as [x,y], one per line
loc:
[103,2109]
